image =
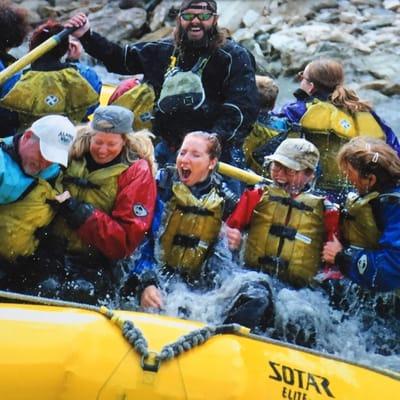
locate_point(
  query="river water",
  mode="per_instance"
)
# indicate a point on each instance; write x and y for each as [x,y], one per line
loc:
[346,325]
[354,332]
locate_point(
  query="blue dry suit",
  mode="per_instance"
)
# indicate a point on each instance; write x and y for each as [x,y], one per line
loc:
[294,112]
[377,269]
[9,119]
[13,180]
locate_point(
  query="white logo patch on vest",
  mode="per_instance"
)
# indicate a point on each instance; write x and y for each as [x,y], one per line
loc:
[362,264]
[139,210]
[346,124]
[51,100]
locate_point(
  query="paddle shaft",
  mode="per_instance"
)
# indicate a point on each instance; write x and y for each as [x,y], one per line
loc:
[250,178]
[34,54]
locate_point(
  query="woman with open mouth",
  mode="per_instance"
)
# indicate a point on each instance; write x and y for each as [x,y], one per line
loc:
[193,202]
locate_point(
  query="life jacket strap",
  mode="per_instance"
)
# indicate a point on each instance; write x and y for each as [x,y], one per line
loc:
[195,210]
[81,182]
[282,231]
[185,241]
[287,201]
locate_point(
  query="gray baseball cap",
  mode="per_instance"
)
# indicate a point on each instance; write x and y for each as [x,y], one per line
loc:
[112,119]
[297,154]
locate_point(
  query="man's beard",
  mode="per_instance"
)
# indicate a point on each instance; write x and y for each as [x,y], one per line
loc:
[204,42]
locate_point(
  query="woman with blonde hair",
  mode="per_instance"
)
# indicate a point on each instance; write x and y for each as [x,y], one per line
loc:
[109,199]
[370,252]
[330,115]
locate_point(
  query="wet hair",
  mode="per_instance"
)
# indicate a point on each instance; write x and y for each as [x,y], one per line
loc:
[138,145]
[213,144]
[327,75]
[45,31]
[268,91]
[14,25]
[371,156]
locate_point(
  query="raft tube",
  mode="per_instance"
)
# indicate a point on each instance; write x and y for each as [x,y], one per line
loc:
[67,353]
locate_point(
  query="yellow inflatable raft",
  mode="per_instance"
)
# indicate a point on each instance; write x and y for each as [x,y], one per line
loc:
[68,353]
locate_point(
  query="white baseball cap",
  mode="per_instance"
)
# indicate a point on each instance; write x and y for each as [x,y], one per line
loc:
[56,135]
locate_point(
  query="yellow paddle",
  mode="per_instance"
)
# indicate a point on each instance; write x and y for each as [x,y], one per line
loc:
[34,54]
[251,178]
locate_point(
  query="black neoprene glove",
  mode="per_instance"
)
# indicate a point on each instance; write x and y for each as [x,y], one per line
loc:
[75,212]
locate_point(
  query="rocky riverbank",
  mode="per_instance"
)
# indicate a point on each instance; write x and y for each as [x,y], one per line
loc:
[283,36]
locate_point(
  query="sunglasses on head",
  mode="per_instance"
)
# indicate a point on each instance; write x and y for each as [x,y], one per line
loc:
[201,16]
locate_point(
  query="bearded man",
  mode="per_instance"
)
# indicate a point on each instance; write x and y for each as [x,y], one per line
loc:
[203,80]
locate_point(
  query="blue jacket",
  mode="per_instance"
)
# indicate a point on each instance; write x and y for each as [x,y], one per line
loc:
[13,180]
[378,269]
[294,111]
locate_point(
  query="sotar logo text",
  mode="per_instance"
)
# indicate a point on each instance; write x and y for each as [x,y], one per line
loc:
[51,100]
[301,379]
[65,137]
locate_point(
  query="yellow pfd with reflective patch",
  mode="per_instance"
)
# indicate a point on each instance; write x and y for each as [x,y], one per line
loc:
[40,93]
[191,227]
[258,136]
[328,128]
[286,235]
[98,188]
[20,220]
[140,100]
[358,225]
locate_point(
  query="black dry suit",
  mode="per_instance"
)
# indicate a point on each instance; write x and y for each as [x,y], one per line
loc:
[230,106]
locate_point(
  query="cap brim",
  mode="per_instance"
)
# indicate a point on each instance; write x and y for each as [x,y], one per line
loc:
[54,154]
[285,161]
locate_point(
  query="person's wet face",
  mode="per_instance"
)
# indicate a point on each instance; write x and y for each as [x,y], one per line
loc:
[196,23]
[362,184]
[193,162]
[32,161]
[289,179]
[104,147]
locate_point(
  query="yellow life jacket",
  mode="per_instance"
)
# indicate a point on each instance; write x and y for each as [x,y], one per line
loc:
[20,220]
[358,225]
[98,188]
[191,228]
[258,136]
[140,100]
[39,93]
[286,235]
[328,128]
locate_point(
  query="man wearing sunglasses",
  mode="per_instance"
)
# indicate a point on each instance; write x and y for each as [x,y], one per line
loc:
[226,103]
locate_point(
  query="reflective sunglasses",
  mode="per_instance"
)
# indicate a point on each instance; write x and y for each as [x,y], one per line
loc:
[192,16]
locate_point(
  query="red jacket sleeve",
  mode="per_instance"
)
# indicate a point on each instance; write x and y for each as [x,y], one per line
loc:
[118,234]
[241,216]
